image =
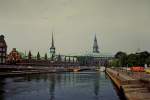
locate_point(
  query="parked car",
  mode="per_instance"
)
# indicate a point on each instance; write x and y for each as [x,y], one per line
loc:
[137,69]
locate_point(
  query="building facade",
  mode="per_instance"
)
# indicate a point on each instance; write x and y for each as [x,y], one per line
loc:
[3,50]
[95,58]
[14,57]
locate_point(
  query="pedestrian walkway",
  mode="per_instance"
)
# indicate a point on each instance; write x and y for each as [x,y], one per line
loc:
[132,88]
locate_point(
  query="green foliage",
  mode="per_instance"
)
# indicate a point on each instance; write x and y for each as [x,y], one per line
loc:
[122,58]
[114,63]
[45,57]
[148,60]
[143,56]
[132,60]
[38,56]
[29,55]
[136,59]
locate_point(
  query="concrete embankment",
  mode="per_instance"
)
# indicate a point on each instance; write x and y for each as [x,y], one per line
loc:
[13,70]
[132,89]
[15,73]
[21,70]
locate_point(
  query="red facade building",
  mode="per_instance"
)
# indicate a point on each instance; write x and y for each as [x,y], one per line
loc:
[13,57]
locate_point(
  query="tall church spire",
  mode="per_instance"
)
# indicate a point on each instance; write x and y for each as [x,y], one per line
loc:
[95,46]
[52,48]
[52,45]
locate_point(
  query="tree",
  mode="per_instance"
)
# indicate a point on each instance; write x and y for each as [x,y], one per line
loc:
[148,61]
[38,56]
[114,63]
[122,57]
[52,57]
[59,58]
[132,60]
[29,55]
[136,59]
[45,57]
[142,57]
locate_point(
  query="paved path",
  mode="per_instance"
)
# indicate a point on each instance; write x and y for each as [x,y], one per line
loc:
[131,86]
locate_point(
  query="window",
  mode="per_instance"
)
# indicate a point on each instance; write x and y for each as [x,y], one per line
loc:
[0,49]
[4,54]
[3,60]
[4,49]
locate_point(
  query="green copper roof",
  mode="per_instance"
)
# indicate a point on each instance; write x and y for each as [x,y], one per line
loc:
[92,54]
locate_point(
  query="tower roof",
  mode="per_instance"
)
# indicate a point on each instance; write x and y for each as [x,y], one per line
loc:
[95,46]
[95,42]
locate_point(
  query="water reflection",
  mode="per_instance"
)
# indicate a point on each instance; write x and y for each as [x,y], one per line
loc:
[96,85]
[1,88]
[52,86]
[63,86]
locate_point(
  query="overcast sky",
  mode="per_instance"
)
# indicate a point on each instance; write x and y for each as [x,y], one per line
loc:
[119,25]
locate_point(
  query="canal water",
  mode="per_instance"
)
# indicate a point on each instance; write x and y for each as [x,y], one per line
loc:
[62,86]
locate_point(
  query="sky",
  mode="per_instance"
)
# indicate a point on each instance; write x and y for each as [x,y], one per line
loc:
[120,25]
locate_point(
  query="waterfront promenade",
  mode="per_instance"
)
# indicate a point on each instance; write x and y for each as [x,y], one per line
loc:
[134,85]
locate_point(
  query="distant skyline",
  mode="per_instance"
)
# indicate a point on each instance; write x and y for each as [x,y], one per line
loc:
[120,25]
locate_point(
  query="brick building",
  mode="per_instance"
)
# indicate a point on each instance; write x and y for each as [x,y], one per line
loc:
[13,57]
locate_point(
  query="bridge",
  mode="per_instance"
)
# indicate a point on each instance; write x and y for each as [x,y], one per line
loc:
[20,70]
[81,68]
